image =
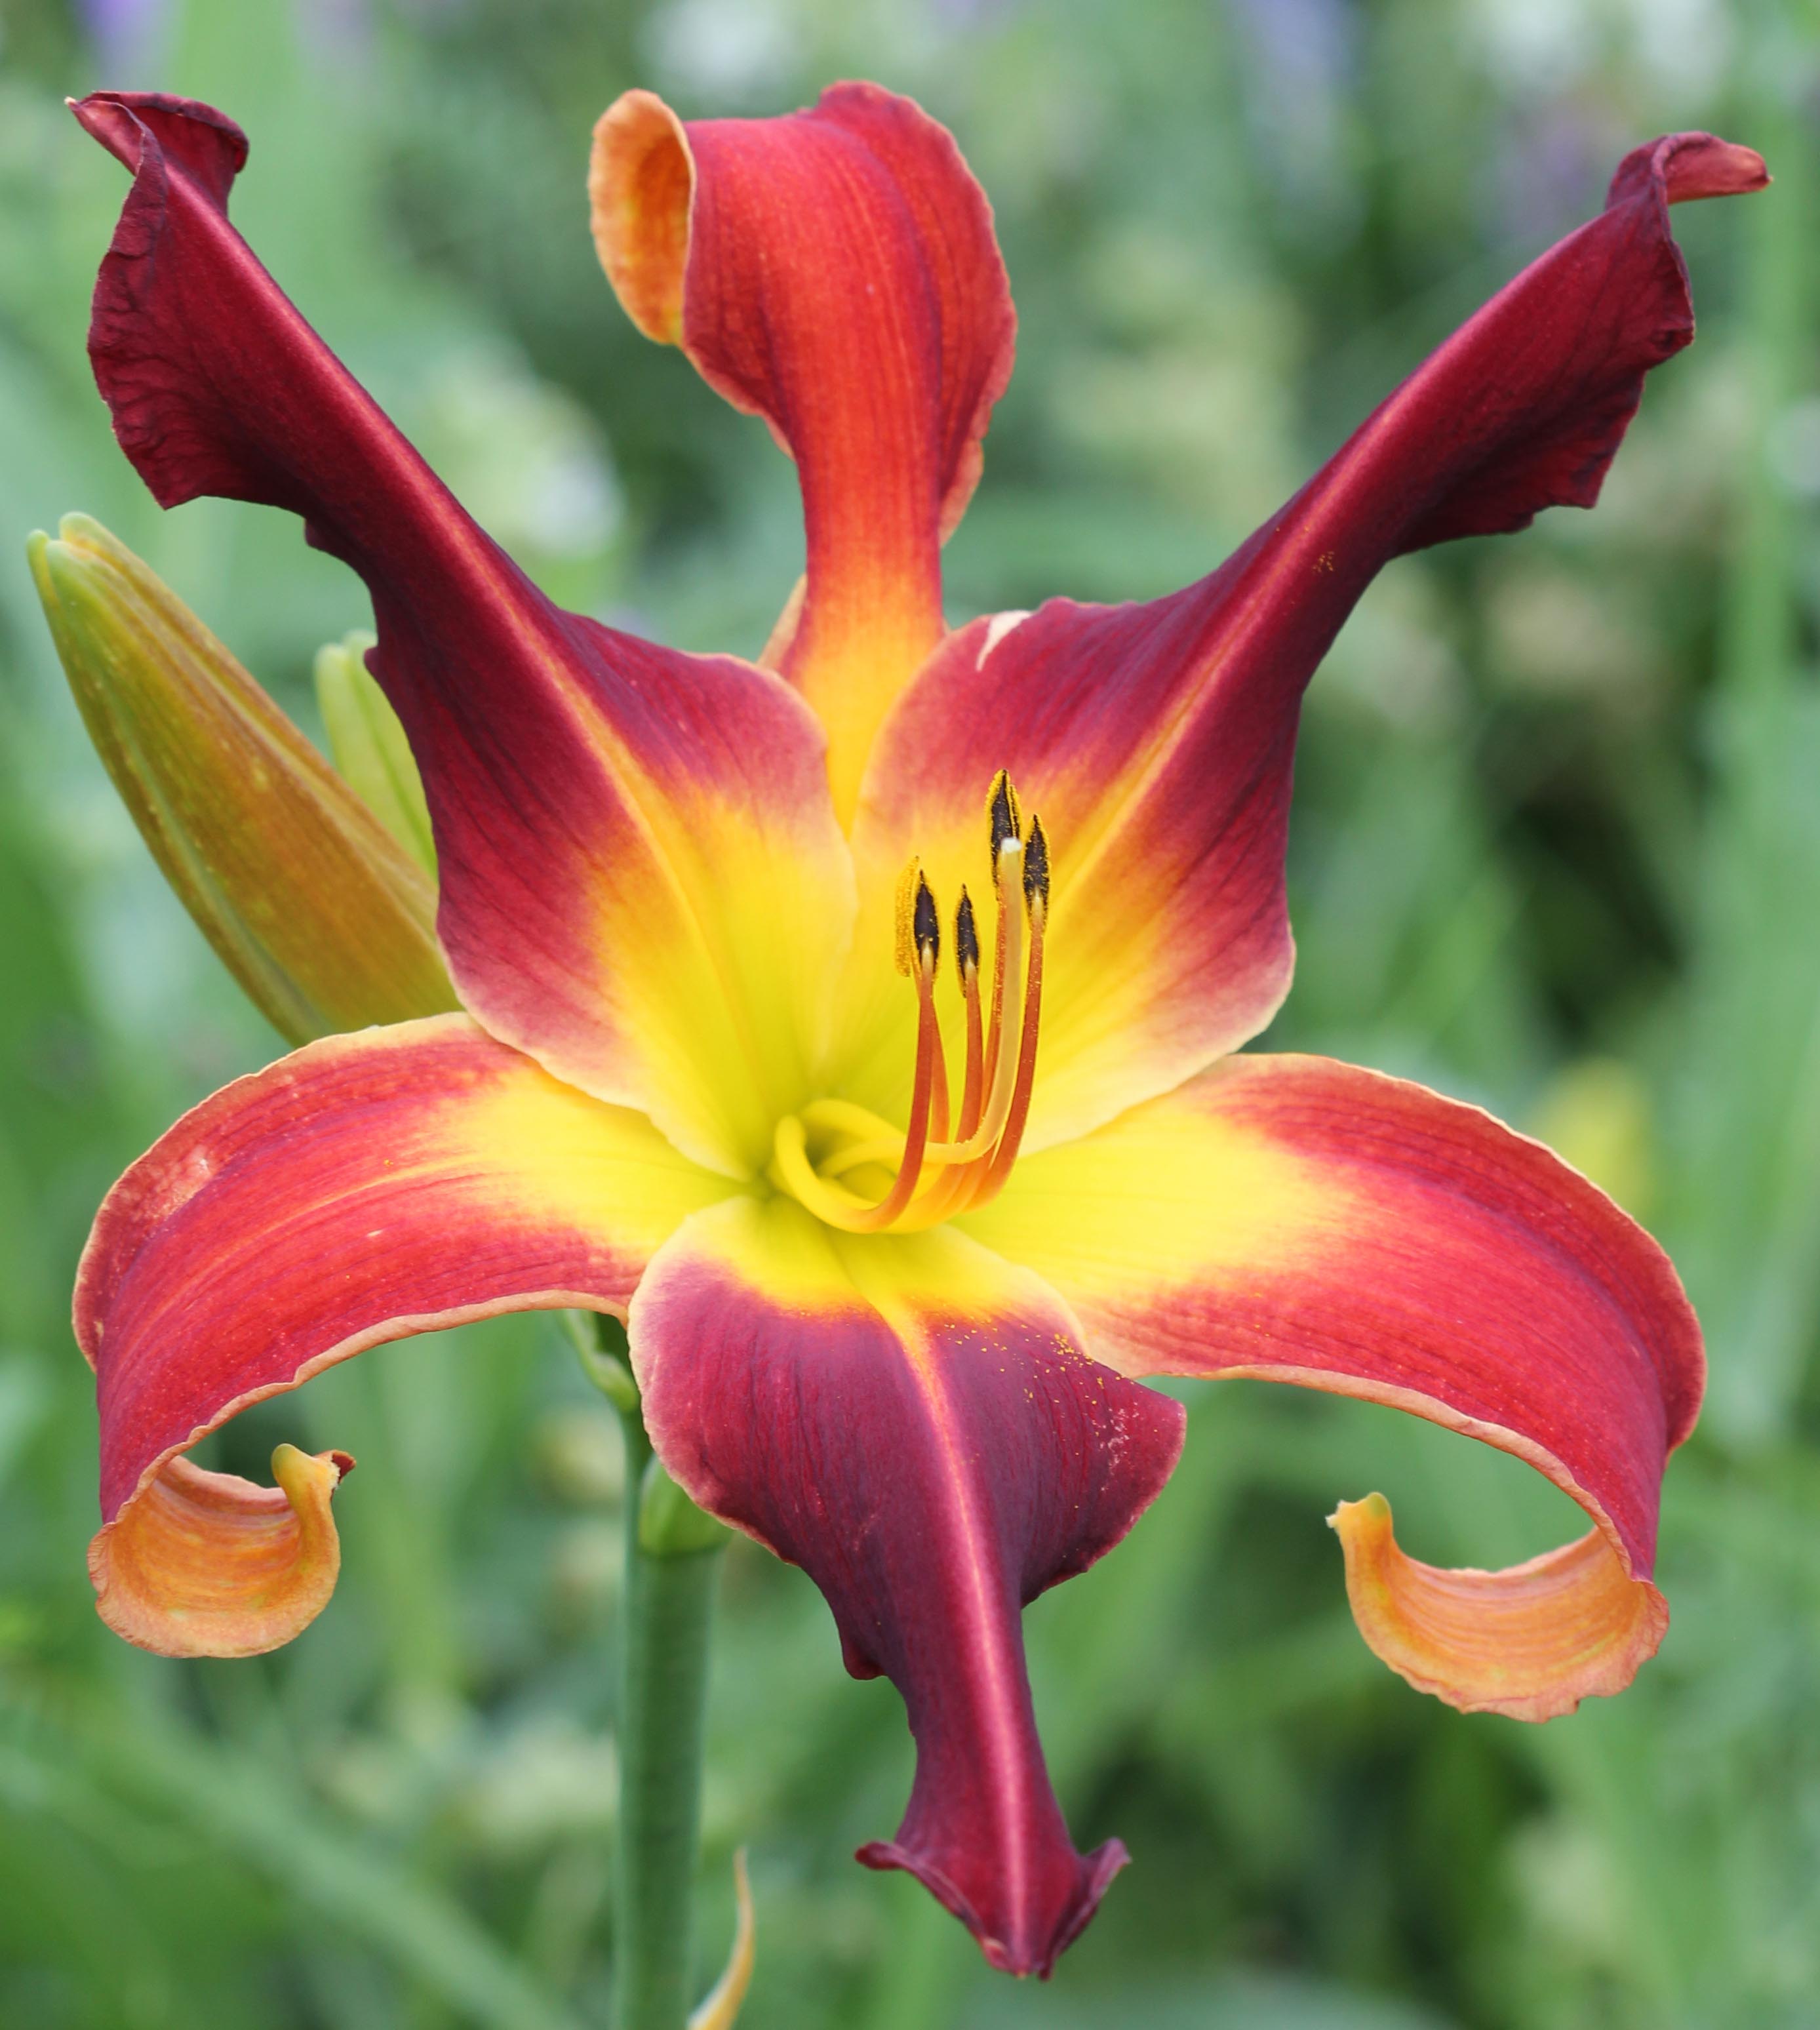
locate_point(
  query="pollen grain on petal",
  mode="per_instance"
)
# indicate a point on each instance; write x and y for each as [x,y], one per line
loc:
[1000,625]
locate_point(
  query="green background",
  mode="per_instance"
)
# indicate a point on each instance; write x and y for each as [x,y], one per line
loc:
[1556,849]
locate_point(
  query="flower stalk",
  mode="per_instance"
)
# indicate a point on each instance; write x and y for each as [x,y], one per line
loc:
[672,1569]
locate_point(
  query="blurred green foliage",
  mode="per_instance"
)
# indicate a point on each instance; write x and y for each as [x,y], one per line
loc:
[1557,848]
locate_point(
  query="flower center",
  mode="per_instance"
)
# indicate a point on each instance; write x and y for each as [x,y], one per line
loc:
[935,1175]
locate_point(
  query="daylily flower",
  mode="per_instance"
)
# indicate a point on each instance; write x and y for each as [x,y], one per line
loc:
[859,1025]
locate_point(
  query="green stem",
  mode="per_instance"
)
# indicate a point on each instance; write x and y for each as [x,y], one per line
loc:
[672,1566]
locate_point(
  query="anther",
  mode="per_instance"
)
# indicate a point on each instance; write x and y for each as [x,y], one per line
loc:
[1036,868]
[927,921]
[966,940]
[971,1157]
[909,882]
[1002,814]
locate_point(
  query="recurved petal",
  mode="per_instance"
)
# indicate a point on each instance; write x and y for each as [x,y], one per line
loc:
[913,1422]
[642,881]
[835,272]
[365,1188]
[1157,741]
[1301,1220]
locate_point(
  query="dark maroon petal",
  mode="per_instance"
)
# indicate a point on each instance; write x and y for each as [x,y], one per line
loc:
[1157,741]
[590,792]
[913,1422]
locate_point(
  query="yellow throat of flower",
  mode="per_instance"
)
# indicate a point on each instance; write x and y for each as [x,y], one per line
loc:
[937,1176]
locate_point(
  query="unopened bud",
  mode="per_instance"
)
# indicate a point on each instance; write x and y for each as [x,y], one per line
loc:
[323,918]
[369,747]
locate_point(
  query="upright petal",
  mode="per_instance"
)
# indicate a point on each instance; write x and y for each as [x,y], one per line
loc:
[1157,741]
[367,1188]
[834,272]
[642,882]
[913,1422]
[1301,1220]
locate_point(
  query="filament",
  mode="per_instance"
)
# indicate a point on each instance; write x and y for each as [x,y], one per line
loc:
[935,1177]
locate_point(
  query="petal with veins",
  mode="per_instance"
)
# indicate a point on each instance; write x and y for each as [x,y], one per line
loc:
[642,882]
[833,271]
[1301,1220]
[365,1188]
[913,1422]
[1157,741]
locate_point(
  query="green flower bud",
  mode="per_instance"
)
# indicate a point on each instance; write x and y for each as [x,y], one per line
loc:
[369,747]
[324,919]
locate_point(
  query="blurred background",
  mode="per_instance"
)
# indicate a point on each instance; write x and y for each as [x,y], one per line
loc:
[1556,849]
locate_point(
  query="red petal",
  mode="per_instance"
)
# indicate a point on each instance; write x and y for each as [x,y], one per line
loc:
[912,1421]
[1301,1220]
[833,271]
[366,1187]
[642,881]
[1157,741]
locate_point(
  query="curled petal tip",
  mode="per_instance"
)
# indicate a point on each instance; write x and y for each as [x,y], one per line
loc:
[1529,1642]
[640,187]
[206,1564]
[1680,167]
[1703,166]
[1045,1923]
[201,141]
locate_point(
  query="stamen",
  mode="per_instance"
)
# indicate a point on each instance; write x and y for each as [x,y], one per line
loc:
[909,883]
[1001,817]
[998,1081]
[992,1182]
[926,921]
[1000,1068]
[967,964]
[966,939]
[1036,867]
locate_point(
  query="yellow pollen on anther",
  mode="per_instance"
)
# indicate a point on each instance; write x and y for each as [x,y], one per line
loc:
[936,1176]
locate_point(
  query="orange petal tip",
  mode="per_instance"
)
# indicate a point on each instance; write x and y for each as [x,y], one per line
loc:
[1530,1642]
[641,186]
[206,1564]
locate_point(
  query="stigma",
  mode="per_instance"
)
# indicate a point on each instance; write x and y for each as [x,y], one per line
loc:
[951,1157]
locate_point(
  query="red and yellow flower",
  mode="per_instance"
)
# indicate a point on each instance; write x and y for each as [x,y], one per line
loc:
[859,1025]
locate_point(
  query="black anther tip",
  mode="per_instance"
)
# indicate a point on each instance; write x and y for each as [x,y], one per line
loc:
[1001,813]
[966,939]
[1036,865]
[926,923]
